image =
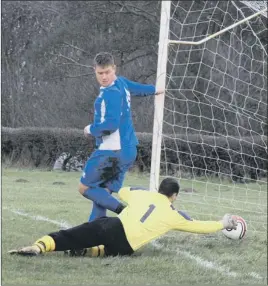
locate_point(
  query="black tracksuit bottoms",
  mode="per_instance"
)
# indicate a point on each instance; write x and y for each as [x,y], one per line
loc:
[107,231]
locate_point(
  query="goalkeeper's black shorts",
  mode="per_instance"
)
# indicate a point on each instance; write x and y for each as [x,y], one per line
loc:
[107,231]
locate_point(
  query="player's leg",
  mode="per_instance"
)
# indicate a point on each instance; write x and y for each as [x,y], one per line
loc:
[102,198]
[80,237]
[127,158]
[94,251]
[114,241]
[97,211]
[100,167]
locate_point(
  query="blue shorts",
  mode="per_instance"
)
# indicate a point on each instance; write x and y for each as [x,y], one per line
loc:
[107,168]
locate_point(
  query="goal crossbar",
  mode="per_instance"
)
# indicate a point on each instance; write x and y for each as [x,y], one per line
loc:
[219,32]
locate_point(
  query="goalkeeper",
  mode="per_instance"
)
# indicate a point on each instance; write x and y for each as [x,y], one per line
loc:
[115,137]
[147,216]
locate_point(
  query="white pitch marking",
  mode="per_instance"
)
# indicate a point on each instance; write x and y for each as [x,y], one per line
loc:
[200,261]
[207,264]
[62,224]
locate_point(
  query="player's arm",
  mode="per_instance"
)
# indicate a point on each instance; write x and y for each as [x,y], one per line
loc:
[138,89]
[111,117]
[184,223]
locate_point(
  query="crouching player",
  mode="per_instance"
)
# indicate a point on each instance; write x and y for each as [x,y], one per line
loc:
[147,216]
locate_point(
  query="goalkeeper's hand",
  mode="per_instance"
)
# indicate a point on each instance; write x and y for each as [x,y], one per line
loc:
[87,131]
[229,221]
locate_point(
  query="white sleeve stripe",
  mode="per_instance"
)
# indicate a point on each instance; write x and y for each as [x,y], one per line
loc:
[103,111]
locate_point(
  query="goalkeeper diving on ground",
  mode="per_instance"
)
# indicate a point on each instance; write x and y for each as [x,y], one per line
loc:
[147,216]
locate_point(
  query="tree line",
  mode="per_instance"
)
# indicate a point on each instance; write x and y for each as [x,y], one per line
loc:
[48,79]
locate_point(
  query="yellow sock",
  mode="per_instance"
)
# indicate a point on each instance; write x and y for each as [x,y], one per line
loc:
[46,243]
[102,252]
[96,251]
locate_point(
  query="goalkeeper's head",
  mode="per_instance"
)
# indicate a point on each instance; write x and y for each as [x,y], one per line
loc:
[169,187]
[105,68]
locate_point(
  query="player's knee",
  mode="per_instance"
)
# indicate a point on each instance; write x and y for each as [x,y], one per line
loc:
[82,188]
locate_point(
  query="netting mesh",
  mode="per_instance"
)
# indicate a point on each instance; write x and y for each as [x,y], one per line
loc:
[215,114]
[257,6]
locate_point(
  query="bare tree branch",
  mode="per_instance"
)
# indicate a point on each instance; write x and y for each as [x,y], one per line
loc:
[72,76]
[66,64]
[137,57]
[145,77]
[70,59]
[141,13]
[75,47]
[139,9]
[48,7]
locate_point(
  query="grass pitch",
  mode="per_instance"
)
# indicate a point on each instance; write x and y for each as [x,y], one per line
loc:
[35,202]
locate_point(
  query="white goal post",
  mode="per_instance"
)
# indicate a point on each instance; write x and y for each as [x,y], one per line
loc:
[159,100]
[212,64]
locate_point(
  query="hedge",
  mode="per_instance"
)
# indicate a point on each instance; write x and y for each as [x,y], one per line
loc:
[195,154]
[42,146]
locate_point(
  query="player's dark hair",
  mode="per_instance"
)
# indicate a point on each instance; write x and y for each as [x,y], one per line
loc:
[169,186]
[103,59]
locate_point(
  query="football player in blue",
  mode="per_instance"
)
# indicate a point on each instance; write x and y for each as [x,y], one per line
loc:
[116,141]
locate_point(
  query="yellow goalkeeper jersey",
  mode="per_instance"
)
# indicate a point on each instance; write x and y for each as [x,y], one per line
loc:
[150,215]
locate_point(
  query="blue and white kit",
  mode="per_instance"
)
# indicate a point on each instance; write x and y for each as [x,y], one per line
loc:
[116,141]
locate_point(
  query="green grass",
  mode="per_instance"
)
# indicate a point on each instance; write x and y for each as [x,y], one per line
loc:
[177,258]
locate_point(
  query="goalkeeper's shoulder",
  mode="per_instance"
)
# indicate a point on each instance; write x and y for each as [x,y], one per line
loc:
[125,193]
[127,189]
[124,189]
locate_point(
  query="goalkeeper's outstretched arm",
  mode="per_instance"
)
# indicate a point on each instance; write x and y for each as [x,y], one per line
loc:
[203,227]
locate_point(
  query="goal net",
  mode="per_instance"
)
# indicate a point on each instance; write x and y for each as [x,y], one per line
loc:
[210,127]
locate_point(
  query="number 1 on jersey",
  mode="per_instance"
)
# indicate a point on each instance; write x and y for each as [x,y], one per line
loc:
[145,216]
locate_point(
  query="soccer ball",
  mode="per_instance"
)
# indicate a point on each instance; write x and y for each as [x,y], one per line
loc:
[237,233]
